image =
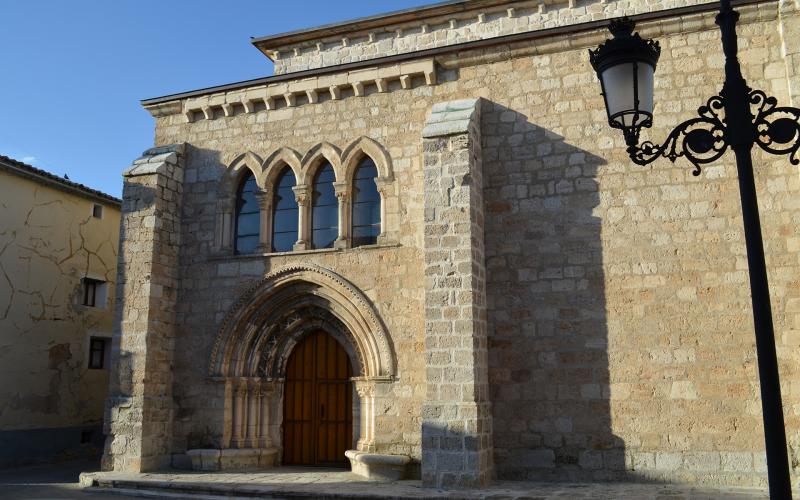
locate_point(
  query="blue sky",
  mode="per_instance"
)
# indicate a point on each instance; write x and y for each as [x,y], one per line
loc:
[73,72]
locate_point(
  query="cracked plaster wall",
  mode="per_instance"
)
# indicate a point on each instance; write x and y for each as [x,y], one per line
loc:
[49,241]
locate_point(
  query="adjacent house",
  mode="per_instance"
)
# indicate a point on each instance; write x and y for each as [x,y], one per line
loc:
[58,262]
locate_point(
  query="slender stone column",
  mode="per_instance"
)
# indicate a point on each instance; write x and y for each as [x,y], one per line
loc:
[264,199]
[253,413]
[224,230]
[456,416]
[366,395]
[343,196]
[266,389]
[139,408]
[239,413]
[302,196]
[383,189]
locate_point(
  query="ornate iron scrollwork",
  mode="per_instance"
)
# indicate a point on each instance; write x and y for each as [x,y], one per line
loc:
[702,140]
[777,128]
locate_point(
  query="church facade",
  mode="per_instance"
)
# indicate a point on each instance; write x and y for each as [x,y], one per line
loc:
[419,249]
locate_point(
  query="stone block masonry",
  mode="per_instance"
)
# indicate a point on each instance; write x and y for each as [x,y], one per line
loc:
[456,415]
[139,409]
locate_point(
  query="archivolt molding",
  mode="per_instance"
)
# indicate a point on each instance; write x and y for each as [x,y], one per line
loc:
[315,156]
[365,146]
[304,167]
[273,166]
[235,171]
[256,319]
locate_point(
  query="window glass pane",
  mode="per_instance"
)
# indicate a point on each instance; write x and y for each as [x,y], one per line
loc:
[284,221]
[366,213]
[366,204]
[247,244]
[325,209]
[365,235]
[325,216]
[366,190]
[324,238]
[248,215]
[283,242]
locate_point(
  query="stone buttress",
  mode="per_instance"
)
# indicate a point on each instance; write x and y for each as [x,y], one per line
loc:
[139,408]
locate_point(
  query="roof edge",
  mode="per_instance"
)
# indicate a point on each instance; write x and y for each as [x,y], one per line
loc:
[268,44]
[447,49]
[32,173]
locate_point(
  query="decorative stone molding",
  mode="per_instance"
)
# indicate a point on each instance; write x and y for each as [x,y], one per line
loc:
[348,304]
[264,98]
[226,199]
[344,163]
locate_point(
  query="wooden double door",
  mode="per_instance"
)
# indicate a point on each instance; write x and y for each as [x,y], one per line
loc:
[318,403]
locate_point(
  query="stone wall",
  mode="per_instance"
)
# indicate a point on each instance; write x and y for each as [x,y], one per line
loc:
[619,332]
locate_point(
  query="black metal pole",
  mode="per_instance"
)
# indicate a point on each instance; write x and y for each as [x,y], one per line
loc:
[741,137]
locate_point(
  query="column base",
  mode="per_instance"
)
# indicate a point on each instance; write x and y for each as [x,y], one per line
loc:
[233,459]
[377,466]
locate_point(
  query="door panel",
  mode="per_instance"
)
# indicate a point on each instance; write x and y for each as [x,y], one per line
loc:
[318,403]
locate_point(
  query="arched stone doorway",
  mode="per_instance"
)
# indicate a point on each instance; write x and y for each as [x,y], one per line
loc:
[253,351]
[317,403]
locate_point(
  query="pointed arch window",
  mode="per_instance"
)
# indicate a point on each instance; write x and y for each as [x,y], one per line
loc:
[325,209]
[284,222]
[366,204]
[248,216]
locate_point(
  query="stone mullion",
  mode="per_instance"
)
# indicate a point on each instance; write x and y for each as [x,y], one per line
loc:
[383,189]
[343,197]
[265,200]
[225,225]
[303,227]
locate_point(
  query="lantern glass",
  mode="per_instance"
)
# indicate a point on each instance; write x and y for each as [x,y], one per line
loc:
[628,89]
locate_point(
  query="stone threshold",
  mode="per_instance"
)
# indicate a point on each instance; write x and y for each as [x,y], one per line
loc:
[307,483]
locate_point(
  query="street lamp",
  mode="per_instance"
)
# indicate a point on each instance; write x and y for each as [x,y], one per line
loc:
[739,118]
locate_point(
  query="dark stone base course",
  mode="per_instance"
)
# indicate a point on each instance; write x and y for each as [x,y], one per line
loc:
[34,446]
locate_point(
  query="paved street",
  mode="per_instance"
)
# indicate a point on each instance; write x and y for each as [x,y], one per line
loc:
[60,481]
[309,483]
[56,481]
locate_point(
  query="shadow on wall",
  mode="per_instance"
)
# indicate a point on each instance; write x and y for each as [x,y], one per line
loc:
[547,333]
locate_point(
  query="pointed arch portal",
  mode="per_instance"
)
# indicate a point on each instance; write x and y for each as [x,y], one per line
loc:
[259,336]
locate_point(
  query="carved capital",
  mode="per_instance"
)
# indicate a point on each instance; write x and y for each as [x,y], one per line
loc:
[342,190]
[264,198]
[301,195]
[365,389]
[383,184]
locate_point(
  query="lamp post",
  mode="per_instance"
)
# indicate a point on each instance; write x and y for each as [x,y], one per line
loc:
[739,118]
